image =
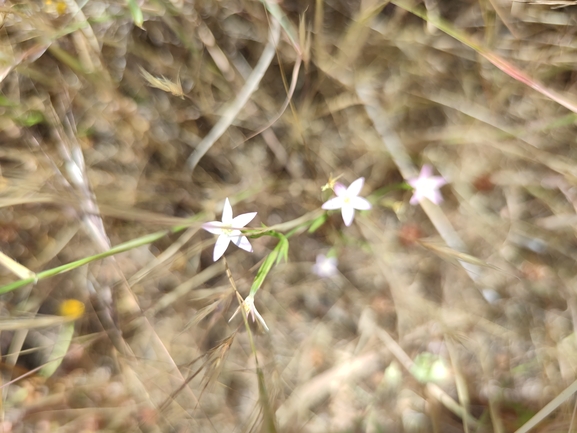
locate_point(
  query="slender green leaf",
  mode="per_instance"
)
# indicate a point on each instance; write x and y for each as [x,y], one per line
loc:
[269,419]
[136,13]
[275,10]
[31,118]
[317,222]
[263,271]
[282,247]
[126,246]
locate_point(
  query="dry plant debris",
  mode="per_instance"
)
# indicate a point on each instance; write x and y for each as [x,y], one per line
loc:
[126,125]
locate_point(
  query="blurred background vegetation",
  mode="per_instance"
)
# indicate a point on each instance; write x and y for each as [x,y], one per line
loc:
[121,119]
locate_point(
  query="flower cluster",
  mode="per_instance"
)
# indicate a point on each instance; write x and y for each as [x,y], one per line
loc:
[426,186]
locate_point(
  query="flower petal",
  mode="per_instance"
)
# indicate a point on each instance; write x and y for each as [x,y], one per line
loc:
[240,221]
[339,189]
[250,308]
[259,317]
[333,203]
[360,203]
[435,196]
[416,198]
[426,171]
[214,227]
[414,181]
[437,182]
[348,214]
[242,242]
[227,213]
[354,188]
[325,266]
[220,247]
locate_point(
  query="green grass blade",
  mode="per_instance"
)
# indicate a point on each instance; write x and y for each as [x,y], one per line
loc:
[135,12]
[126,246]
[489,55]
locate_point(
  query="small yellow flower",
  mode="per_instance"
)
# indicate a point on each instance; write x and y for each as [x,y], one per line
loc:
[71,308]
[331,183]
[57,7]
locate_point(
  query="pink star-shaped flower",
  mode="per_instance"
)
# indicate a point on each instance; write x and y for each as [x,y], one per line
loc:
[229,231]
[427,186]
[347,200]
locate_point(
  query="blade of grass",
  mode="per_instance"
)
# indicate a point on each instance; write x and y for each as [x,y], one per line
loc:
[59,351]
[396,149]
[240,101]
[274,9]
[549,408]
[184,288]
[505,66]
[434,390]
[269,414]
[135,12]
[14,323]
[126,246]
[15,267]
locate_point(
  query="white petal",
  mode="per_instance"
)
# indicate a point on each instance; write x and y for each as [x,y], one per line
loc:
[325,266]
[360,203]
[435,197]
[259,317]
[235,313]
[414,181]
[214,227]
[333,203]
[250,310]
[437,182]
[220,247]
[426,171]
[339,189]
[348,215]
[227,212]
[416,198]
[242,220]
[242,242]
[355,187]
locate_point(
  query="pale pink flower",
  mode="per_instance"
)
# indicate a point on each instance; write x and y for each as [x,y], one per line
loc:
[427,186]
[229,231]
[325,267]
[347,200]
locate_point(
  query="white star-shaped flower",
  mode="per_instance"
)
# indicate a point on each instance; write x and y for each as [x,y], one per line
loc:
[229,231]
[348,200]
[325,267]
[427,186]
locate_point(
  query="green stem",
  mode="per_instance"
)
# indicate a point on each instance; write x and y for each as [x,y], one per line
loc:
[126,246]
